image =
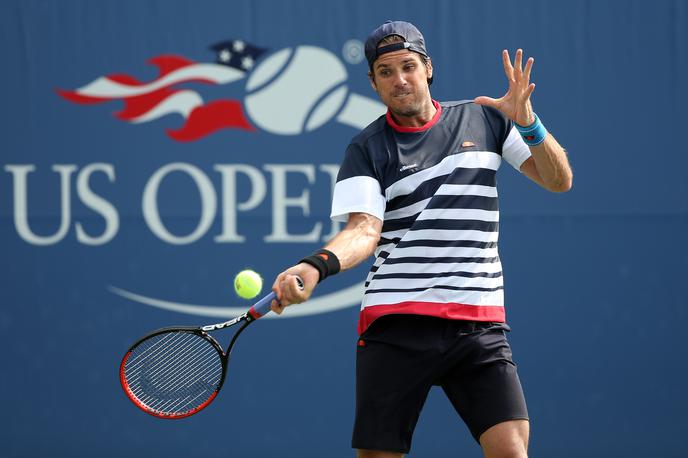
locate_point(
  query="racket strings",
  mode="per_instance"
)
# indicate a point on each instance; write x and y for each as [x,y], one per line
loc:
[173,373]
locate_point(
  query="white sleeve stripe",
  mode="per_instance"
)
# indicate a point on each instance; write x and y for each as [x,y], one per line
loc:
[514,150]
[359,194]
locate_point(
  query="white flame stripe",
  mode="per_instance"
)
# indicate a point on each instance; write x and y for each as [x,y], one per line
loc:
[467,159]
[104,87]
[441,296]
[458,214]
[180,102]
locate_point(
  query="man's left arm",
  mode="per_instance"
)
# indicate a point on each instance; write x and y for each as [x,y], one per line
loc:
[548,165]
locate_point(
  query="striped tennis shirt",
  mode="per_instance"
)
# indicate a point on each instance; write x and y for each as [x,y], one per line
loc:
[434,187]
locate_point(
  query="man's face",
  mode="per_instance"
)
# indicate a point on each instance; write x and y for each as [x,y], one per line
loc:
[401,80]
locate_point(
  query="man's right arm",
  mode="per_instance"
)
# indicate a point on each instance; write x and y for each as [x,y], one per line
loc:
[353,245]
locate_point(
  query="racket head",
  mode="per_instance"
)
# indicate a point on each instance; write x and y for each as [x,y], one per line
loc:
[173,372]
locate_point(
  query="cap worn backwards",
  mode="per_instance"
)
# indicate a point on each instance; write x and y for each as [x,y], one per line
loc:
[413,40]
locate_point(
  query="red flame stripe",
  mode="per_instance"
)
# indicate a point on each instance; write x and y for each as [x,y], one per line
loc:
[206,119]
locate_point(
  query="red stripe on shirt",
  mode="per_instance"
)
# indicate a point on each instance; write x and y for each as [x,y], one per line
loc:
[452,311]
[426,126]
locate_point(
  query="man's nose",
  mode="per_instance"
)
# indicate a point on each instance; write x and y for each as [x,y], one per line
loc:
[399,80]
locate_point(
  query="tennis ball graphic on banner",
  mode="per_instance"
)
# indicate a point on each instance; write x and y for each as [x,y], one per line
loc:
[296,90]
[247,284]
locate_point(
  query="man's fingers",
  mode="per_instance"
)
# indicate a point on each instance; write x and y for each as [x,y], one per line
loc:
[518,62]
[276,285]
[529,67]
[292,292]
[487,101]
[276,307]
[293,285]
[508,69]
[279,294]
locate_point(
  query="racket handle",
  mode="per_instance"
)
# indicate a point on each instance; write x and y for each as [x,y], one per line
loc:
[262,307]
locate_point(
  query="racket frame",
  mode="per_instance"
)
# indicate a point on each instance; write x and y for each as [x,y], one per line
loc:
[202,332]
[259,309]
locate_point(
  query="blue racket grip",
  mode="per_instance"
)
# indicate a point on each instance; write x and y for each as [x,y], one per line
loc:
[262,307]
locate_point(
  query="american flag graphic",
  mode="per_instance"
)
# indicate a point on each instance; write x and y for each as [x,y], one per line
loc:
[147,101]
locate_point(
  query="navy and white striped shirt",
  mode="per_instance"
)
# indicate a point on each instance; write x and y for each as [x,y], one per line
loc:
[434,188]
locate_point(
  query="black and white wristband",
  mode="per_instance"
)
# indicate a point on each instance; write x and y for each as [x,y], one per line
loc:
[325,262]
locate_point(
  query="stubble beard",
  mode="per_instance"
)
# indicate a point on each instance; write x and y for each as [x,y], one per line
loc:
[409,110]
[407,113]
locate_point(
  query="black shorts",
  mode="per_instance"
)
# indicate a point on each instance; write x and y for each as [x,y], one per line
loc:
[400,357]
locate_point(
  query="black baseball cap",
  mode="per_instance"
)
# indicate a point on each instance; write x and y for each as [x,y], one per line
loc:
[413,40]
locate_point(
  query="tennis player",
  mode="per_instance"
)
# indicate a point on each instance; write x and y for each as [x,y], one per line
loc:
[417,189]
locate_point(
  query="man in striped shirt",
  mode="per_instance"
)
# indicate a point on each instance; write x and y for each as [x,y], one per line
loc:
[417,189]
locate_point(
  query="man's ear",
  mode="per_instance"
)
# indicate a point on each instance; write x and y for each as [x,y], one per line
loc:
[428,67]
[371,78]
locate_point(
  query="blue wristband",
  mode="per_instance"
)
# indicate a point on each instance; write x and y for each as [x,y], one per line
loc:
[533,134]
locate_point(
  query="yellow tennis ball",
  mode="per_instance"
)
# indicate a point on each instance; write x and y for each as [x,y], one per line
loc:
[248,284]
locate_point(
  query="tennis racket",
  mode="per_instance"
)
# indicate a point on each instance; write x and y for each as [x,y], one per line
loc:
[178,371]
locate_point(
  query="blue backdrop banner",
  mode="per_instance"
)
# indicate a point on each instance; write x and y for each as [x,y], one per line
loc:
[150,150]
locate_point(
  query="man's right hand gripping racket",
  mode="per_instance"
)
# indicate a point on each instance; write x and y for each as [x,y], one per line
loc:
[176,372]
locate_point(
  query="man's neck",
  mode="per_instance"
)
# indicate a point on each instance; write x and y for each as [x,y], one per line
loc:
[417,120]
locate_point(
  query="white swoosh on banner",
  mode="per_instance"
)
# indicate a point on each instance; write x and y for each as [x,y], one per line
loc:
[181,102]
[338,300]
[215,73]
